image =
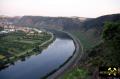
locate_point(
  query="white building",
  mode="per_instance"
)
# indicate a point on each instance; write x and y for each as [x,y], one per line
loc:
[39,31]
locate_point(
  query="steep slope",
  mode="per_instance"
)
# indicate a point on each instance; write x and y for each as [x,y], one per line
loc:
[92,28]
[107,54]
[98,23]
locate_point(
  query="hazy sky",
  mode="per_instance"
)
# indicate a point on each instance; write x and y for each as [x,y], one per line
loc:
[82,8]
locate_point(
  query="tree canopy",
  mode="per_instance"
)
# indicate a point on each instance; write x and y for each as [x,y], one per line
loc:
[111,37]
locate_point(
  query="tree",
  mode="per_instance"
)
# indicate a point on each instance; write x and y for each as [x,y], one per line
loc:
[1,28]
[111,37]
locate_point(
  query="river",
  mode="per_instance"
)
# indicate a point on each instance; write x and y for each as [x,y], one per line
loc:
[38,66]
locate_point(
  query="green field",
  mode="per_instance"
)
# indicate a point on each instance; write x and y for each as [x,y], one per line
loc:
[20,43]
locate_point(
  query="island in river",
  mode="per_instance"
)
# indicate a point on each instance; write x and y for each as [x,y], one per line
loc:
[19,44]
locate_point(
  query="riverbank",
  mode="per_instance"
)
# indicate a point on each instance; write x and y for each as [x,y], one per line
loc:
[48,41]
[71,62]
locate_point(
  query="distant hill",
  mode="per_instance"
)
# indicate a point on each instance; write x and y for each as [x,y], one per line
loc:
[65,23]
[9,19]
[62,23]
[94,27]
[99,22]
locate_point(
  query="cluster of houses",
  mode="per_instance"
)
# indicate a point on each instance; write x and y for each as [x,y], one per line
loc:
[9,27]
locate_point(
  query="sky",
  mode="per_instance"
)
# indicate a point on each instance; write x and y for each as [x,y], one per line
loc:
[68,8]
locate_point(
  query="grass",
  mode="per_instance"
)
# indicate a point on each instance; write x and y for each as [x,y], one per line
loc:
[1,57]
[19,43]
[87,41]
[76,73]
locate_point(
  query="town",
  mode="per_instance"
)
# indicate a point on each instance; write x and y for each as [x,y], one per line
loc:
[7,27]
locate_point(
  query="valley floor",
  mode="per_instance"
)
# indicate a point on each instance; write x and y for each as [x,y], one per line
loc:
[19,44]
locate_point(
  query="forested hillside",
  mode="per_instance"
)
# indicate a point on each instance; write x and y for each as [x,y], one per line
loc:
[98,23]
